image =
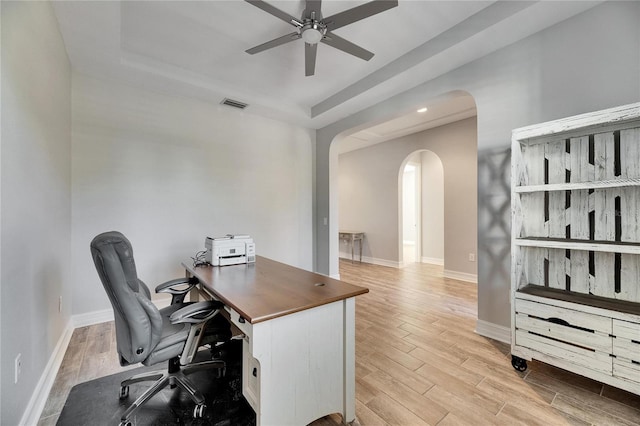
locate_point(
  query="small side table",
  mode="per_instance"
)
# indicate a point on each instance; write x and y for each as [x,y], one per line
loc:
[351,237]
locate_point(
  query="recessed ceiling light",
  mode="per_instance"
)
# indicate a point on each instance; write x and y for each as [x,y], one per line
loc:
[423,109]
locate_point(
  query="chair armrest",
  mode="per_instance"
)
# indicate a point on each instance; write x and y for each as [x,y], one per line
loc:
[177,294]
[196,312]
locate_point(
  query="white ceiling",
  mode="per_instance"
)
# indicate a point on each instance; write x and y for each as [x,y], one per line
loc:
[196,49]
[443,111]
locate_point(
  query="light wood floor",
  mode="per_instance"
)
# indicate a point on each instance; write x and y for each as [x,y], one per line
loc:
[418,362]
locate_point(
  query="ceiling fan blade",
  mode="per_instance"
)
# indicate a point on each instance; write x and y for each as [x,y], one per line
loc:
[346,46]
[359,12]
[310,51]
[272,10]
[313,6]
[273,43]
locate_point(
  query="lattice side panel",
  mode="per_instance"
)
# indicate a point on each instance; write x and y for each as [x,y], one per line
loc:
[536,260]
[533,216]
[533,204]
[581,169]
[557,209]
[629,286]
[603,283]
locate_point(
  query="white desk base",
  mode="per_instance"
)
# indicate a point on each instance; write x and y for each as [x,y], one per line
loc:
[300,367]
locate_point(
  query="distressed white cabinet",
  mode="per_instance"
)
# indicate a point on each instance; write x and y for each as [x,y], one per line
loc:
[575,199]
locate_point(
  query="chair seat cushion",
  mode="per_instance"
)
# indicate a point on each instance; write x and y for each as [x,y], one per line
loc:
[174,336]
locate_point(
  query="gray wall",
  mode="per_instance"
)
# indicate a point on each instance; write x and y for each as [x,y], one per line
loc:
[369,191]
[586,63]
[168,171]
[494,225]
[35,182]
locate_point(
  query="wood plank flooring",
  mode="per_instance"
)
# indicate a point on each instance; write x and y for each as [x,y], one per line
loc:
[418,362]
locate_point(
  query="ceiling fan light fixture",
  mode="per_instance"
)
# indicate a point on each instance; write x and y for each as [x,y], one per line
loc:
[312,32]
[311,36]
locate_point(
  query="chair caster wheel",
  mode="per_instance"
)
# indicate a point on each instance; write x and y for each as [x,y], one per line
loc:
[124,392]
[125,423]
[198,411]
[221,372]
[518,363]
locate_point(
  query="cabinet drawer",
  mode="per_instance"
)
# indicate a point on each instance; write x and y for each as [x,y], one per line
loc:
[589,339]
[573,318]
[626,329]
[586,358]
[253,378]
[567,334]
[629,349]
[626,344]
[627,370]
[250,377]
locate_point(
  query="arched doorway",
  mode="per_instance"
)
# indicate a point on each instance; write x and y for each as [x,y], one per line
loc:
[379,140]
[421,209]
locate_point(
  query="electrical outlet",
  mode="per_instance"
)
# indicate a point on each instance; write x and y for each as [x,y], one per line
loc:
[472,257]
[60,304]
[18,367]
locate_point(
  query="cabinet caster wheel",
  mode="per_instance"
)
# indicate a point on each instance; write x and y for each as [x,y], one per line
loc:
[124,392]
[518,363]
[198,411]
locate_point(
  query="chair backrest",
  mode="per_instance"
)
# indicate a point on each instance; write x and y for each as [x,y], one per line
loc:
[138,321]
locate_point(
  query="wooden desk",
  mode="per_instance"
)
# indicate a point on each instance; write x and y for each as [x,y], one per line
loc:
[299,344]
[351,237]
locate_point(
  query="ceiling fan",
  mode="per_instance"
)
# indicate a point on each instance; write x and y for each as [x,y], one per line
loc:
[314,29]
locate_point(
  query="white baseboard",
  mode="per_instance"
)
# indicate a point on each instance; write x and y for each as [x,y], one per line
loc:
[39,397]
[91,318]
[104,315]
[460,276]
[493,331]
[40,394]
[372,260]
[432,260]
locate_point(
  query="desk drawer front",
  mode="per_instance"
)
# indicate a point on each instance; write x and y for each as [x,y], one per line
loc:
[242,324]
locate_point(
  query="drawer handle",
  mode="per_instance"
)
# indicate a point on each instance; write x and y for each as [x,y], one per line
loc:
[564,323]
[559,321]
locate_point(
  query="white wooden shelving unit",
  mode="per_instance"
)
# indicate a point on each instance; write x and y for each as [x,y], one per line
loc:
[575,245]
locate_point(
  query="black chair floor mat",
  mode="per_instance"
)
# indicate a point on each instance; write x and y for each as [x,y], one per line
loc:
[97,403]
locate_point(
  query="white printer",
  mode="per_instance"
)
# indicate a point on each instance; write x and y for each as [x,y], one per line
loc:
[230,250]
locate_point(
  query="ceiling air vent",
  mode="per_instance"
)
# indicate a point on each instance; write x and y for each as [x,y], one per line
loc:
[234,104]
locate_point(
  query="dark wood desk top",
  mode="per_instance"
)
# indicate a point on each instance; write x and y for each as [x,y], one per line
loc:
[268,289]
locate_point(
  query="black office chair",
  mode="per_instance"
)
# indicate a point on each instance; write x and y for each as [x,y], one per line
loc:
[148,335]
